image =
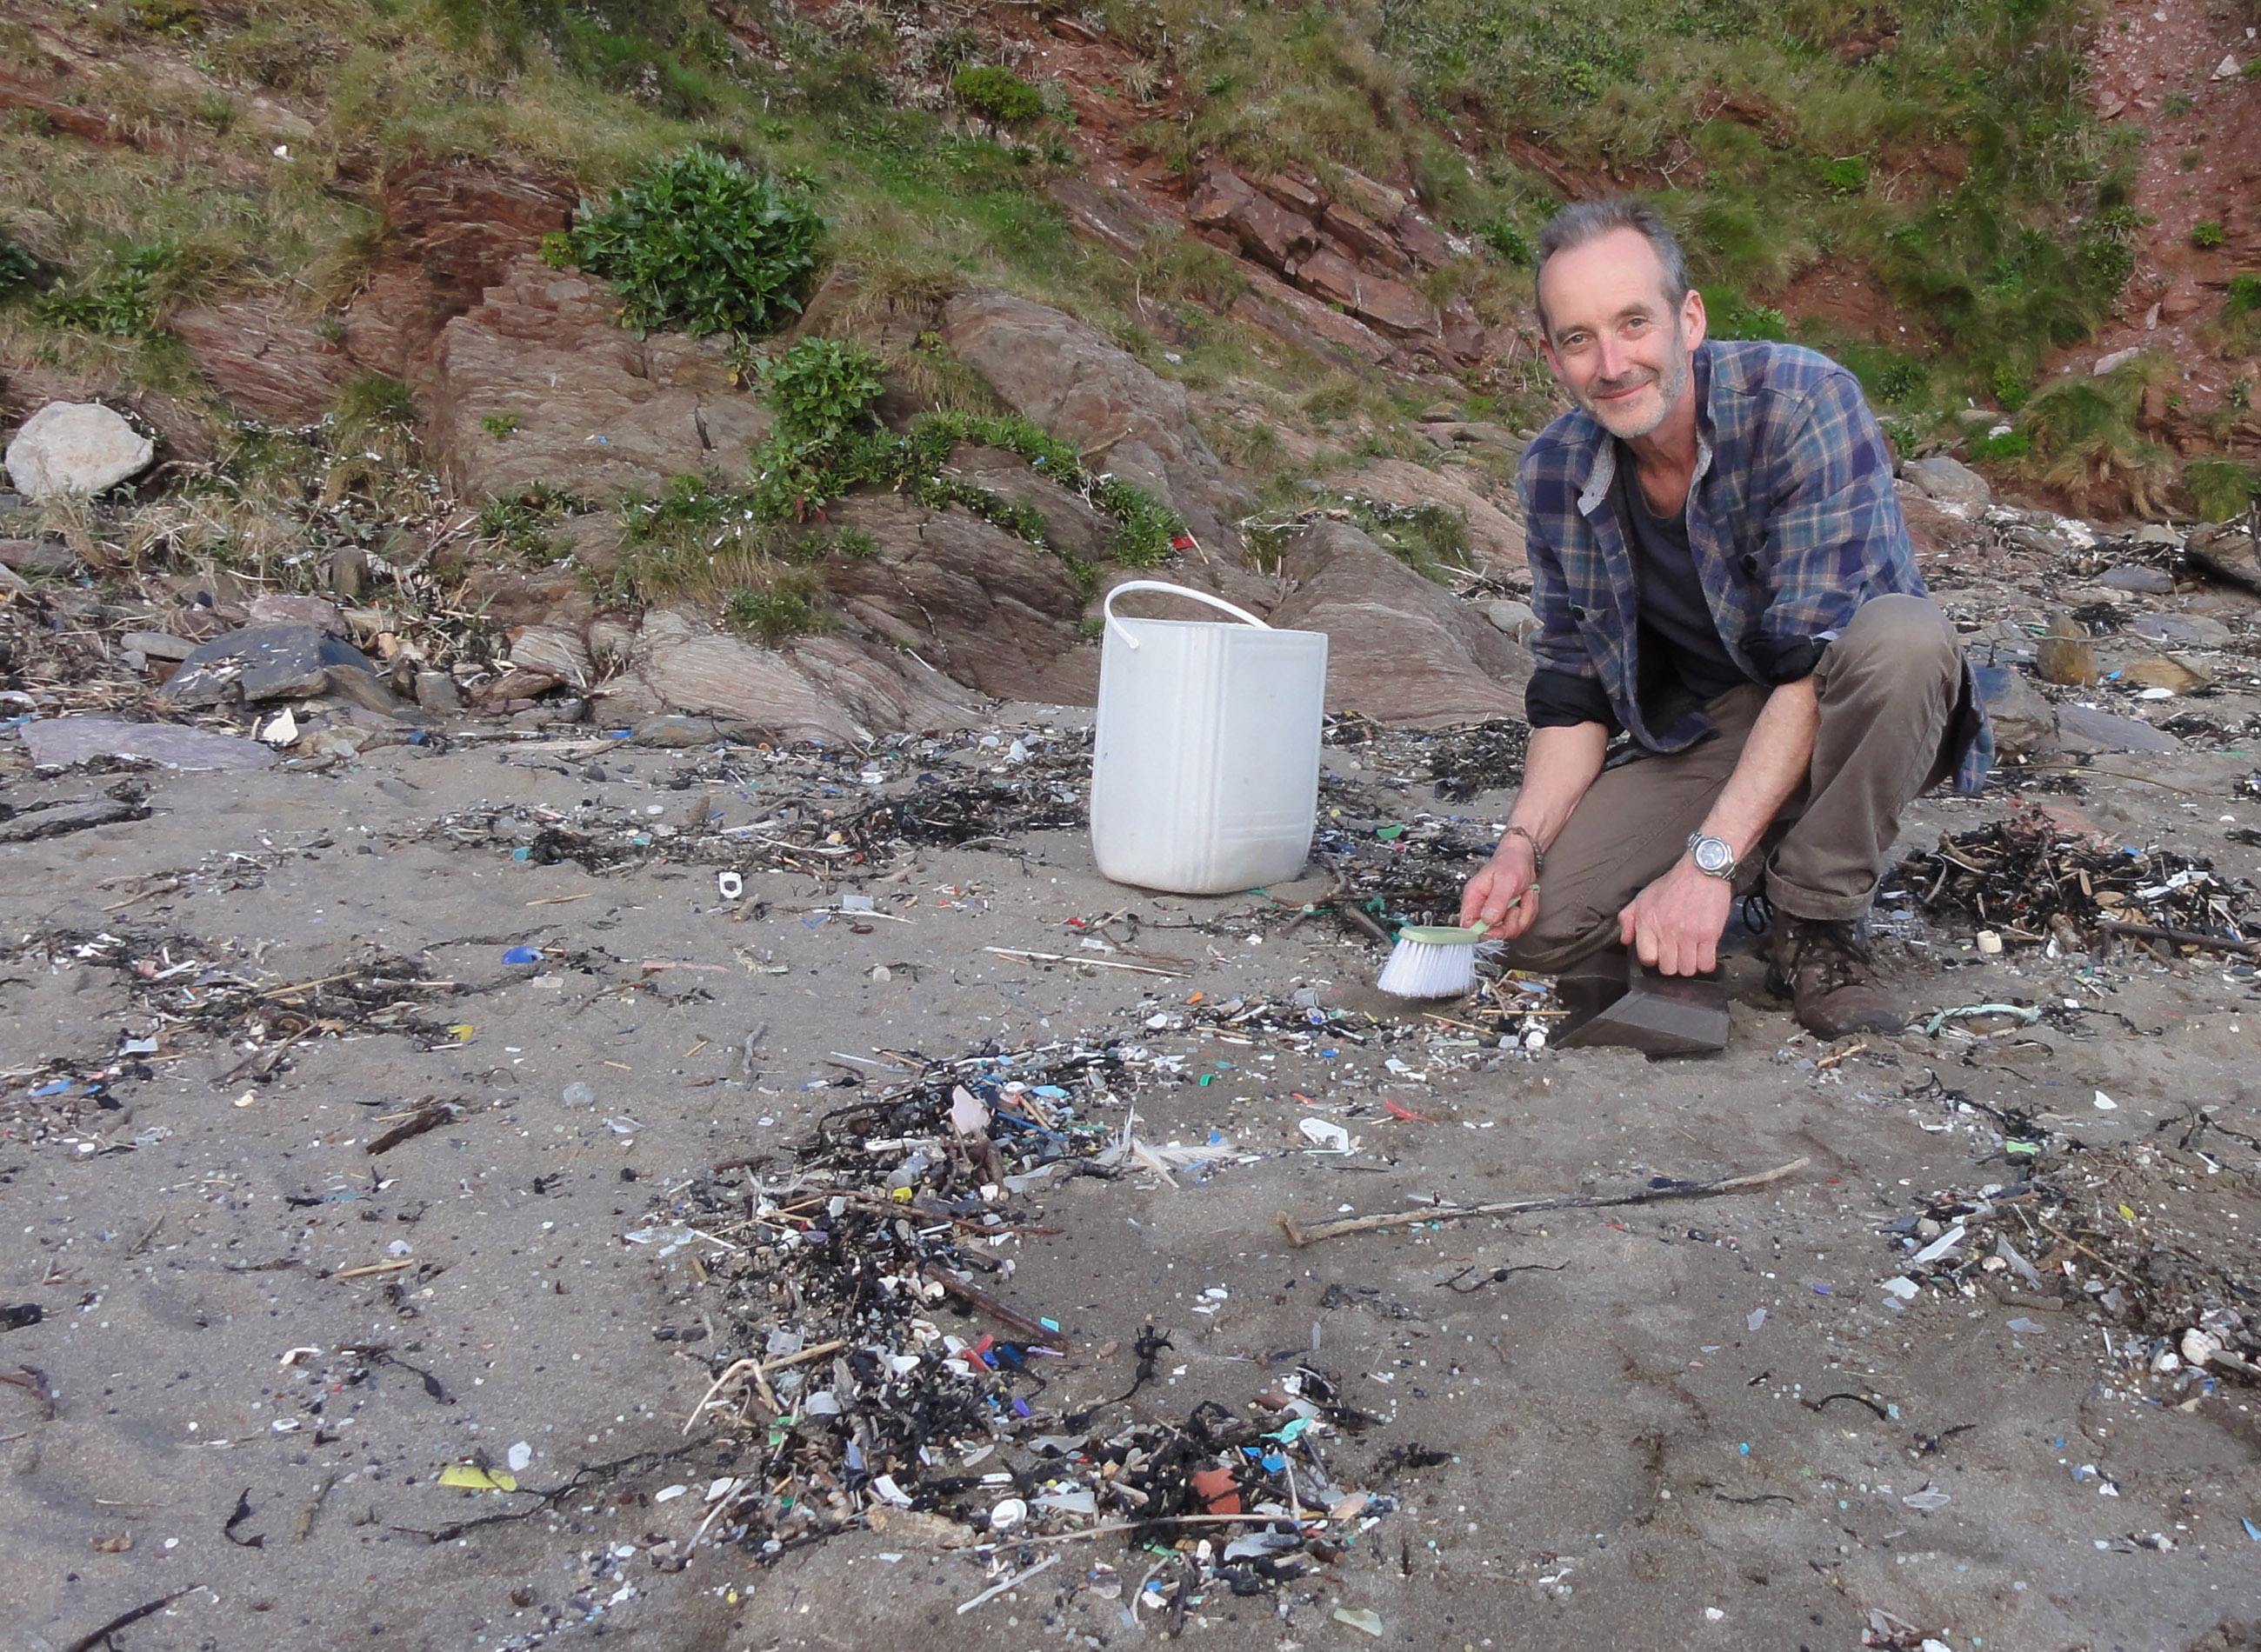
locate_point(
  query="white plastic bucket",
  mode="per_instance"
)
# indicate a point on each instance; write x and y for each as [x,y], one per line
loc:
[1205,762]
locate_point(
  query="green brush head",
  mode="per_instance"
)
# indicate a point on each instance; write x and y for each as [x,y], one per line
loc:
[1443,934]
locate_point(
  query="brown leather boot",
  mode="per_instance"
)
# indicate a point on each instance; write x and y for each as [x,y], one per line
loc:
[1825,973]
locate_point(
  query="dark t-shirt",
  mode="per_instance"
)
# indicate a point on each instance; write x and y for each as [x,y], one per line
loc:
[1682,657]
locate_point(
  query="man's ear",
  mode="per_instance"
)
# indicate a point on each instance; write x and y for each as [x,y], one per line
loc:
[1694,324]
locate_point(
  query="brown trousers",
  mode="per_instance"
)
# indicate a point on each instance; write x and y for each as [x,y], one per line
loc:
[1887,689]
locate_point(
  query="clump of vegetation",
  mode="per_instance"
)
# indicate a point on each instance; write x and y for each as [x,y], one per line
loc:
[701,243]
[1430,539]
[2086,443]
[998,96]
[124,302]
[2004,448]
[20,269]
[822,387]
[374,400]
[2220,489]
[784,606]
[501,426]
[2206,235]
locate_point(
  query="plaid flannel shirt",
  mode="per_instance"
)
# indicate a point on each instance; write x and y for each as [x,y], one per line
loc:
[1792,519]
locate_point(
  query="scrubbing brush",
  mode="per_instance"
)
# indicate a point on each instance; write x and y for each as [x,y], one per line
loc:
[1436,960]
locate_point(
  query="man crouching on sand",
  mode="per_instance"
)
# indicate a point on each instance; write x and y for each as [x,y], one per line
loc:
[1721,573]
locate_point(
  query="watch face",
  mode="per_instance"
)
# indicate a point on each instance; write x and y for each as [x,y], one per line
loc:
[1711,854]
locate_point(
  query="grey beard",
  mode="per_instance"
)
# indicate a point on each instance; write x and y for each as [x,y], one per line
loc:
[1671,385]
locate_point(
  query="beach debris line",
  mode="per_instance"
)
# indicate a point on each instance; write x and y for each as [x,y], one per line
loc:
[869,1364]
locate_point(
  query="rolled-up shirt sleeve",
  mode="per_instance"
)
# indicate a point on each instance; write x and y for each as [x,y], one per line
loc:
[1833,524]
[1561,700]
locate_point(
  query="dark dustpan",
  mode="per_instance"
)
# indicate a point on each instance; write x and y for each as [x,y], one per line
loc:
[1657,1015]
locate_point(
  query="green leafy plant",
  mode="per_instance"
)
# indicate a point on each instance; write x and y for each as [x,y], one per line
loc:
[1508,241]
[998,95]
[2244,297]
[2010,389]
[1847,175]
[501,426]
[375,399]
[2220,489]
[2208,235]
[123,304]
[20,270]
[822,387]
[2010,445]
[1731,317]
[698,242]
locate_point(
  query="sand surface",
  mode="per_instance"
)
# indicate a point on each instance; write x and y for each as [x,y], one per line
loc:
[1616,1443]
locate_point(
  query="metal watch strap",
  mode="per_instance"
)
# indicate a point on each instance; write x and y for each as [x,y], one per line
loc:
[1727,873]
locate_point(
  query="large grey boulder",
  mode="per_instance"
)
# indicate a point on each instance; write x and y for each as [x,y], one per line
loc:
[1400,650]
[75,447]
[275,661]
[1949,481]
[1062,375]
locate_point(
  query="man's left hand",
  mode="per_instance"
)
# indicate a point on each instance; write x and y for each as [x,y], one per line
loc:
[1674,924]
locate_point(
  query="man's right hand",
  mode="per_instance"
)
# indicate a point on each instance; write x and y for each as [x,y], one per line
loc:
[1491,896]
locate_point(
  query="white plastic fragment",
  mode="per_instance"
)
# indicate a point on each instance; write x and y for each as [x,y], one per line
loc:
[1328,1138]
[1940,1245]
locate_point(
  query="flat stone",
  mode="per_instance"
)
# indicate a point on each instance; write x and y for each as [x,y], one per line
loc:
[1949,480]
[436,691]
[1517,619]
[2151,581]
[77,816]
[75,447]
[2180,630]
[2157,533]
[47,556]
[674,732]
[266,662]
[64,741]
[275,607]
[2083,729]
[158,645]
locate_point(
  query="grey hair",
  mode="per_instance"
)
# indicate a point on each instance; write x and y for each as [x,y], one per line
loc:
[1582,221]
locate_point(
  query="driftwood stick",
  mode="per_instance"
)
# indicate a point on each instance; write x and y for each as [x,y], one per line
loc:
[2180,937]
[1299,1236]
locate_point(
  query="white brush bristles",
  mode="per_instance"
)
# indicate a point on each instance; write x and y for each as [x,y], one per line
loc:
[1417,969]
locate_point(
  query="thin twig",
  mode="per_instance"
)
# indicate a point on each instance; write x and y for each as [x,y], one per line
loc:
[1090,963]
[1300,1237]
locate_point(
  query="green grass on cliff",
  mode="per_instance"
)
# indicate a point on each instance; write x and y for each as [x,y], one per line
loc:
[1941,146]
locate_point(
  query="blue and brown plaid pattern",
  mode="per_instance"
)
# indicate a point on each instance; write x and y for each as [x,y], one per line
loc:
[1791,518]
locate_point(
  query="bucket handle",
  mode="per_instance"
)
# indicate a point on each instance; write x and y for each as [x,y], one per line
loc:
[1131,641]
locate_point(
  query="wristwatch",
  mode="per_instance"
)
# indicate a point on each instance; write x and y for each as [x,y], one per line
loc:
[1712,855]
